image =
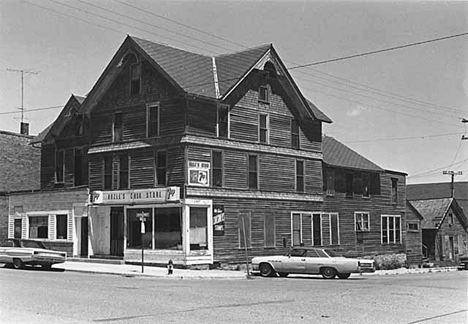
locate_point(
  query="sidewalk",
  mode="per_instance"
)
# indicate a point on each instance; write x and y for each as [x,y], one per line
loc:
[129,270]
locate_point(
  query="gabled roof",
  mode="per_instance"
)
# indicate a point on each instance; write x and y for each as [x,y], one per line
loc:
[435,210]
[337,154]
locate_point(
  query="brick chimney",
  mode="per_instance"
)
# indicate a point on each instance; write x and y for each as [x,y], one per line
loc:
[24,128]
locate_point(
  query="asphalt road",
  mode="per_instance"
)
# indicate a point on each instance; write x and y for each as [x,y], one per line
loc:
[36,296]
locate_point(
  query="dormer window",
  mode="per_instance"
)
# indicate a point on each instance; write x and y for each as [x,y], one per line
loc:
[263,94]
[135,77]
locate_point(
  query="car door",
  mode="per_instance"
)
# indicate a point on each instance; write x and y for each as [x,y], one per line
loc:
[295,262]
[313,262]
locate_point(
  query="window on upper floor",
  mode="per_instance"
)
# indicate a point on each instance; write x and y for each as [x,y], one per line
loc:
[80,168]
[79,126]
[365,185]
[294,133]
[135,79]
[263,94]
[394,190]
[349,185]
[300,176]
[413,226]
[152,120]
[117,127]
[450,219]
[361,221]
[263,127]
[329,182]
[391,230]
[253,172]
[160,160]
[59,166]
[222,116]
[217,168]
[123,180]
[107,172]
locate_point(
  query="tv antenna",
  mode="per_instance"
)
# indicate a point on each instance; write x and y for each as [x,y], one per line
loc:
[23,72]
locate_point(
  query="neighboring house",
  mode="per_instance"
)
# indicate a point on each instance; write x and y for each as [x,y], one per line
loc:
[19,170]
[413,242]
[198,158]
[444,229]
[364,205]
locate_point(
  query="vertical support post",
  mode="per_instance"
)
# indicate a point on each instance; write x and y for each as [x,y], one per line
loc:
[142,245]
[245,247]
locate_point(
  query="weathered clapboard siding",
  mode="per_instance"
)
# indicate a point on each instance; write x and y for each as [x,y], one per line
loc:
[142,169]
[413,238]
[95,172]
[227,247]
[235,169]
[47,166]
[313,176]
[244,124]
[201,117]
[176,166]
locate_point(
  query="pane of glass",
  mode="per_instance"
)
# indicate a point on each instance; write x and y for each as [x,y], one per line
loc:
[252,163]
[168,228]
[198,228]
[217,159]
[134,235]
[334,228]
[62,226]
[317,229]
[263,121]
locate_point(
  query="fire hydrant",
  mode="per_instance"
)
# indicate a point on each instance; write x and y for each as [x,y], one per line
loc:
[170,267]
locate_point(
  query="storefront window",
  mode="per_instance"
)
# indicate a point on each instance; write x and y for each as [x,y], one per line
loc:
[168,228]
[38,227]
[134,234]
[198,228]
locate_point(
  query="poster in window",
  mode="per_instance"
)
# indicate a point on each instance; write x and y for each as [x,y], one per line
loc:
[218,220]
[199,173]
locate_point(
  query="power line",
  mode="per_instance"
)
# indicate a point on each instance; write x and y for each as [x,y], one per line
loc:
[436,170]
[377,51]
[404,138]
[33,109]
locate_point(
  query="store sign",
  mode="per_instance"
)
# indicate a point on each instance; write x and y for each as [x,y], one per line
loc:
[199,173]
[136,196]
[218,220]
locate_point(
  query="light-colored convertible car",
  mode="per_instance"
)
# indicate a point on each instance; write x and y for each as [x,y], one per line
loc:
[29,252]
[308,260]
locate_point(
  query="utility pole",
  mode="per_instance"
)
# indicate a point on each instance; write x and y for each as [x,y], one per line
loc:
[22,88]
[464,138]
[452,185]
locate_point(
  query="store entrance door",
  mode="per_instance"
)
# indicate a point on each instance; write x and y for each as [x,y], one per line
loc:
[117,231]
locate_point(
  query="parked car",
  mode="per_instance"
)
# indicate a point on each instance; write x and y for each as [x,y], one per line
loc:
[30,252]
[308,260]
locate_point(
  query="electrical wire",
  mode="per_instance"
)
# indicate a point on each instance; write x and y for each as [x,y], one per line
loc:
[436,170]
[403,138]
[32,109]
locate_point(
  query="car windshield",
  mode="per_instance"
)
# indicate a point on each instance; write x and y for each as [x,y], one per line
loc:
[333,254]
[30,244]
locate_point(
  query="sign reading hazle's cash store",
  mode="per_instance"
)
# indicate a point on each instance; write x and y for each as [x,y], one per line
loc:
[136,196]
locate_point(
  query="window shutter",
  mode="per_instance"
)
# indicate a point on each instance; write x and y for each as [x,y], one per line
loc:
[52,224]
[25,227]
[70,227]
[11,226]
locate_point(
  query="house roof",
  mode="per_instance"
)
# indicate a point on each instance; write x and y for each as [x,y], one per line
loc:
[432,210]
[337,154]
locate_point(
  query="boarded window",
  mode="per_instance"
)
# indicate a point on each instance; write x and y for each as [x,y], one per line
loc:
[61,222]
[269,230]
[244,227]
[299,176]
[223,121]
[161,167]
[152,117]
[263,128]
[135,77]
[107,172]
[217,163]
[253,172]
[38,227]
[117,127]
[59,166]
[123,172]
[294,133]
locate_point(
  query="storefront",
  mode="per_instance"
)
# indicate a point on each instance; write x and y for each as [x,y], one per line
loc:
[123,222]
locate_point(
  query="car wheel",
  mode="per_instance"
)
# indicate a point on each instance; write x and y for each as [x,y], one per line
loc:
[17,263]
[266,270]
[328,273]
[344,275]
[283,274]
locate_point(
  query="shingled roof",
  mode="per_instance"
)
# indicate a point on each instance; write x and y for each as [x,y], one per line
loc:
[337,154]
[435,210]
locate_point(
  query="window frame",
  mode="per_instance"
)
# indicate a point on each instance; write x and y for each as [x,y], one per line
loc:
[107,174]
[300,177]
[35,217]
[117,128]
[387,229]
[313,236]
[293,231]
[135,81]
[362,214]
[219,169]
[394,191]
[59,166]
[57,226]
[264,130]
[153,125]
[408,223]
[252,174]
[160,171]
[82,165]
[125,173]
[295,135]
[223,124]
[263,94]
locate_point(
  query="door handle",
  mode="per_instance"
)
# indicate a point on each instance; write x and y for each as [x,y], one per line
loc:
[302,259]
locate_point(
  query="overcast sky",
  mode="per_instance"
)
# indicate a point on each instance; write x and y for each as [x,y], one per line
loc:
[402,109]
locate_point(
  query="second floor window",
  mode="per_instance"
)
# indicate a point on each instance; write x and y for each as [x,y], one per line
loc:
[152,119]
[160,158]
[365,185]
[217,164]
[135,77]
[263,94]
[123,172]
[361,221]
[117,127]
[263,128]
[299,176]
[253,172]
[107,173]
[81,166]
[394,190]
[294,133]
[223,121]
[59,166]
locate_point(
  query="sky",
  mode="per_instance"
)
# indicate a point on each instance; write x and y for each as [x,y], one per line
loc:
[401,109]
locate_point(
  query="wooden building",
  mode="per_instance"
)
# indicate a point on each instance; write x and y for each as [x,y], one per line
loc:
[197,158]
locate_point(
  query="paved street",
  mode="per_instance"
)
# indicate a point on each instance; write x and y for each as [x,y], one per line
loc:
[57,296]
